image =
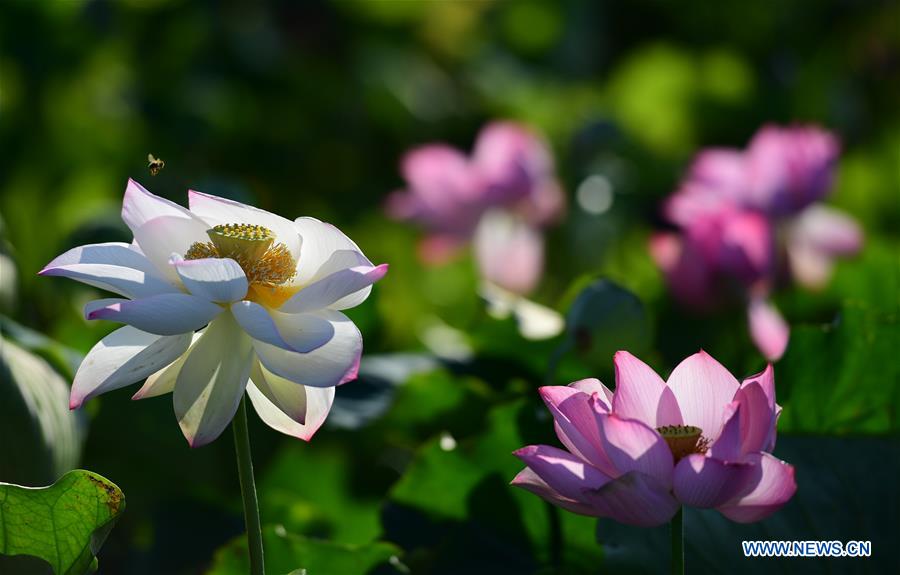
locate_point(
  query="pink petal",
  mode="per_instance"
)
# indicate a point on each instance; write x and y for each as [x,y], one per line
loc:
[688,272]
[437,173]
[563,472]
[768,329]
[757,418]
[530,481]
[815,238]
[790,167]
[509,252]
[770,487]
[746,245]
[722,168]
[634,499]
[703,387]
[512,160]
[701,481]
[766,380]
[727,447]
[576,424]
[632,446]
[445,193]
[827,229]
[546,205]
[593,385]
[641,394]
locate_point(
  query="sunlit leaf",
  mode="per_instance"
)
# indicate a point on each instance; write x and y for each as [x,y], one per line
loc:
[64,524]
[842,377]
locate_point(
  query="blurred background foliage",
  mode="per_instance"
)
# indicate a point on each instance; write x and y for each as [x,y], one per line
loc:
[304,108]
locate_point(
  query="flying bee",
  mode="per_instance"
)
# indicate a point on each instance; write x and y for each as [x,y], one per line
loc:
[154,164]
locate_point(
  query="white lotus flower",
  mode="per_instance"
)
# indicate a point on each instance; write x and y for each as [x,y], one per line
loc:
[218,299]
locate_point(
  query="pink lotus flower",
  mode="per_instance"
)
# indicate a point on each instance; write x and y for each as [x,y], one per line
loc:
[638,454]
[218,299]
[742,213]
[511,170]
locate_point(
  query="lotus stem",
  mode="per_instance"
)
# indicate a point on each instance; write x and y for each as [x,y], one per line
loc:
[248,488]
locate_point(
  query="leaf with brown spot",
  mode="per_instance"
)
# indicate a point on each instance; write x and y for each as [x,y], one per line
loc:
[64,524]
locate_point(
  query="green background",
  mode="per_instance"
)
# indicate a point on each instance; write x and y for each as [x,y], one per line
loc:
[304,108]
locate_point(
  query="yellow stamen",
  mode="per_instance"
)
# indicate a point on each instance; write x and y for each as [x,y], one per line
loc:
[271,296]
[683,440]
[266,264]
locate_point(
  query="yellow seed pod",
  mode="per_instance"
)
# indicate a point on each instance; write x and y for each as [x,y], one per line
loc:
[241,241]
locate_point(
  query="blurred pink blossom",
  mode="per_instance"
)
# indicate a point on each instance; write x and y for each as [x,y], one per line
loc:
[509,174]
[700,439]
[747,217]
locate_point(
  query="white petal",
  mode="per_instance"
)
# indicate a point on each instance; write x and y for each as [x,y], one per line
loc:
[294,332]
[219,211]
[113,266]
[214,279]
[123,357]
[339,261]
[334,289]
[288,397]
[164,314]
[537,322]
[320,241]
[140,206]
[334,363]
[163,381]
[211,382]
[318,404]
[162,237]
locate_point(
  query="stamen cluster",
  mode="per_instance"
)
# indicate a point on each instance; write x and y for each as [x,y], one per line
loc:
[253,247]
[683,440]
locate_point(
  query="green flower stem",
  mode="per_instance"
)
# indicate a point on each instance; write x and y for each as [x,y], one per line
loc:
[677,530]
[248,488]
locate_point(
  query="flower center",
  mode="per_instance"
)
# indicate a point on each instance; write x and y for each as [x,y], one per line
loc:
[267,265]
[683,440]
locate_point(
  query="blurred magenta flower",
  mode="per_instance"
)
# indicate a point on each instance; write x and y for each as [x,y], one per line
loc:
[638,454]
[742,214]
[500,199]
[510,169]
[221,298]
